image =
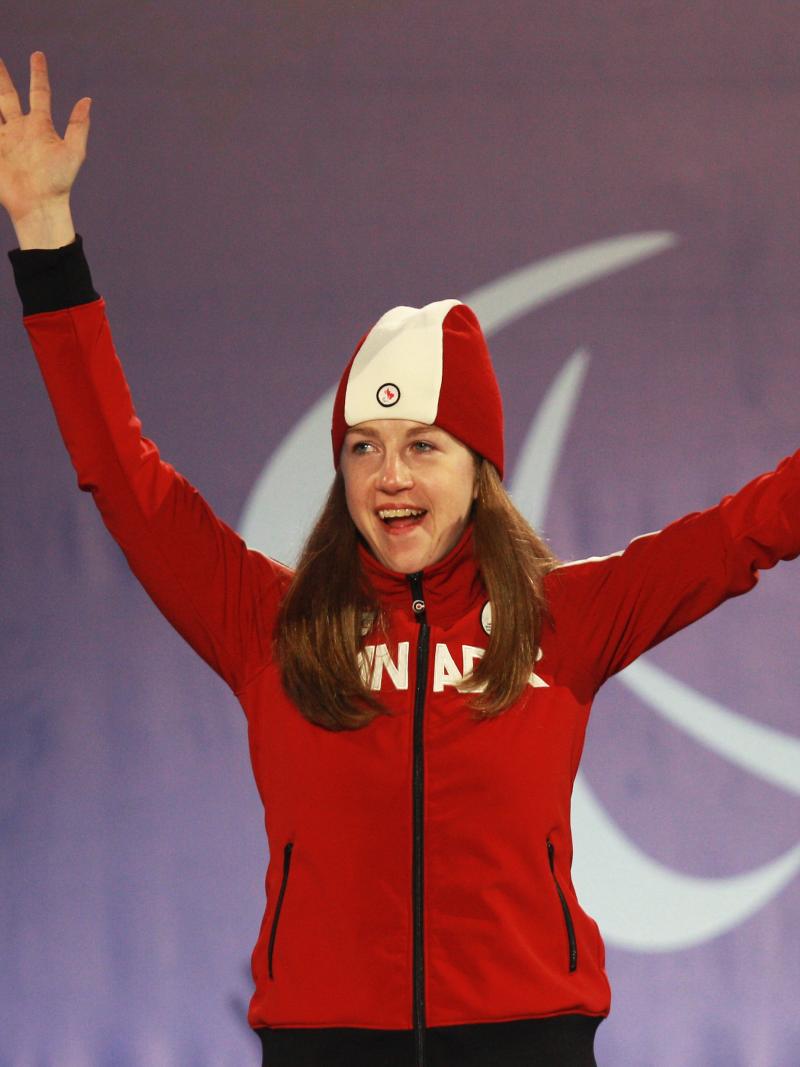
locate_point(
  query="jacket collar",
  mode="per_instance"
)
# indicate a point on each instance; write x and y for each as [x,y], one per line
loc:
[450,587]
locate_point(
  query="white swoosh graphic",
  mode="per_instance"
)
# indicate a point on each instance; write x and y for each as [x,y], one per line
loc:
[515,294]
[280,511]
[767,753]
[641,904]
[541,449]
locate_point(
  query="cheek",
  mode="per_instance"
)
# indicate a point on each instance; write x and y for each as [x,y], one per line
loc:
[458,497]
[353,495]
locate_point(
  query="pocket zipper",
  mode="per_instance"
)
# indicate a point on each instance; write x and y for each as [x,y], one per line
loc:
[287,859]
[573,944]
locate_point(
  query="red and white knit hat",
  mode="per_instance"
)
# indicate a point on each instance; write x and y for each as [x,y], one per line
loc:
[429,365]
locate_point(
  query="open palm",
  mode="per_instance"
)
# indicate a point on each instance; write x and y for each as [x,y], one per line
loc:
[37,167]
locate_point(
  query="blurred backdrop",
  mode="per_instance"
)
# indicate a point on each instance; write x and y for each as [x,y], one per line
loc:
[614,187]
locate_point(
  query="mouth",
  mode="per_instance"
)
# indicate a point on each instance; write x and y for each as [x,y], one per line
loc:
[401,518]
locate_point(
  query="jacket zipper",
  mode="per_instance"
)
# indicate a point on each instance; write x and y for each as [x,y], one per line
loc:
[573,944]
[423,643]
[287,859]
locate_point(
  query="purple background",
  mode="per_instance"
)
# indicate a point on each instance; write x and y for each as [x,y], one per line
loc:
[262,182]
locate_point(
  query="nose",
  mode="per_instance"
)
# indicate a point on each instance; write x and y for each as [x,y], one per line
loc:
[395,474]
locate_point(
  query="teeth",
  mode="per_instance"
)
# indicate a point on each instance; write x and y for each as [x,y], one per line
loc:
[400,513]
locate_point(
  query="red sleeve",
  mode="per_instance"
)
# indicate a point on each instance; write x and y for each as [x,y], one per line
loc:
[221,596]
[609,610]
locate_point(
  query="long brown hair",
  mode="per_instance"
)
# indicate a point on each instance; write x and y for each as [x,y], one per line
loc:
[319,627]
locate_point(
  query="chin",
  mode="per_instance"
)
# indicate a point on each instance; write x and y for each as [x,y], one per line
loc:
[404,562]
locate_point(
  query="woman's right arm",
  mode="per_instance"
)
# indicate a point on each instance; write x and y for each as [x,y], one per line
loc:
[220,595]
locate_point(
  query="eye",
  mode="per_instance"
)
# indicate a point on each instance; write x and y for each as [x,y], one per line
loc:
[422,446]
[361,447]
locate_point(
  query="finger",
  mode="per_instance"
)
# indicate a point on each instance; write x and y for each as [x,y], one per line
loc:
[40,84]
[77,132]
[9,100]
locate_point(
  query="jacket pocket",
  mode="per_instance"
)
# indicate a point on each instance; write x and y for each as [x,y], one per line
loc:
[573,944]
[287,860]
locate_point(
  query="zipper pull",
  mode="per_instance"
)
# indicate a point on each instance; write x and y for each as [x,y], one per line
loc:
[418,598]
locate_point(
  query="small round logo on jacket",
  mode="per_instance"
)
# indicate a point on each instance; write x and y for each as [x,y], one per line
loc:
[486,617]
[388,395]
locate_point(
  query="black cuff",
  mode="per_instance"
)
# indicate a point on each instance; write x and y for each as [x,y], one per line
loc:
[51,279]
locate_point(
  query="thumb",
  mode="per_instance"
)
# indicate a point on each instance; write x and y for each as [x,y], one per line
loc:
[77,132]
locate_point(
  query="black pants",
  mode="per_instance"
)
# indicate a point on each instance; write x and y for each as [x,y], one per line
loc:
[561,1041]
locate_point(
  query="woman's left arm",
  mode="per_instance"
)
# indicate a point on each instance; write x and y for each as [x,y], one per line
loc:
[614,608]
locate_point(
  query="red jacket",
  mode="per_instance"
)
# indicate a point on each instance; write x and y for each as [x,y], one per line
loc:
[419,867]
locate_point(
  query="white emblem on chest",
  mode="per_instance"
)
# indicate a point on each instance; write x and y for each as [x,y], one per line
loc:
[375,660]
[446,672]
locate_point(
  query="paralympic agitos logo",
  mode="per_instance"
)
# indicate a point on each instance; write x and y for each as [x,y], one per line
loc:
[640,904]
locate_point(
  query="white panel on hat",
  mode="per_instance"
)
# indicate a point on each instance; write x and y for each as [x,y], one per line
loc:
[400,359]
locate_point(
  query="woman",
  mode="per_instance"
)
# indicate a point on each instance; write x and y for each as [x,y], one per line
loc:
[417,693]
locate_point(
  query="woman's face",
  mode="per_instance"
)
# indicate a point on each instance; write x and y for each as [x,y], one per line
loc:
[409,490]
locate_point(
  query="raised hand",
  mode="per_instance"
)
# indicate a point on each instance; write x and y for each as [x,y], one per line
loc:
[37,167]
